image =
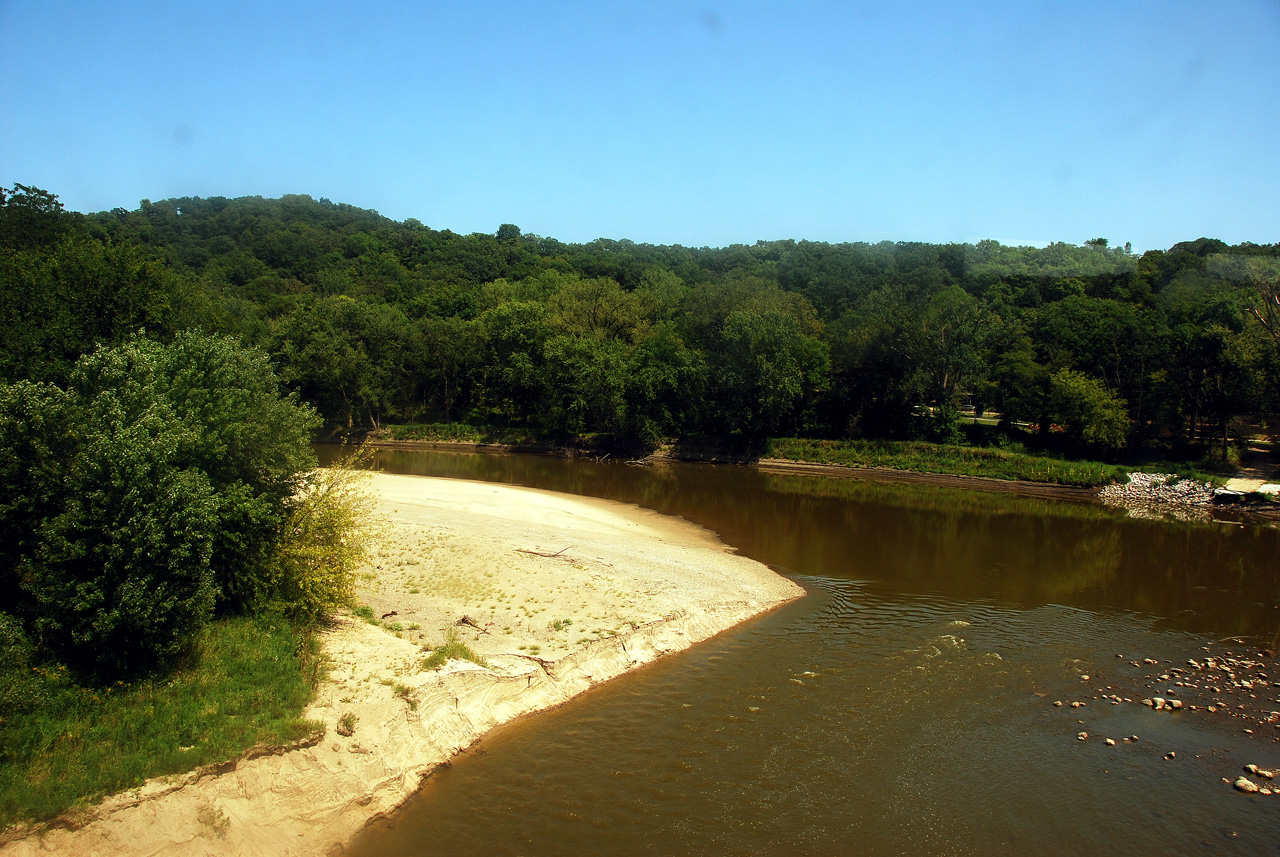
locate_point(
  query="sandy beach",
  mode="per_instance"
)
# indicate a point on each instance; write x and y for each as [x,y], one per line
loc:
[554,593]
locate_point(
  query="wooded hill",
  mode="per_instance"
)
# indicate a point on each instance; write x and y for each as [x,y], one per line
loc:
[1101,351]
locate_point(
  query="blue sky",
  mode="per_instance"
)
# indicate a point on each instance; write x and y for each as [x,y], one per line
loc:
[699,124]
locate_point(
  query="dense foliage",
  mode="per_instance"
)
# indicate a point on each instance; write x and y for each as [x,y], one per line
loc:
[375,321]
[151,486]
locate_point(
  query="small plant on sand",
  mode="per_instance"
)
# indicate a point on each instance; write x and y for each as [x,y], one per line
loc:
[405,692]
[451,648]
[365,612]
[560,624]
[346,725]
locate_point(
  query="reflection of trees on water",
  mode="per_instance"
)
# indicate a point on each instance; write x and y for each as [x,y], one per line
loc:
[921,539]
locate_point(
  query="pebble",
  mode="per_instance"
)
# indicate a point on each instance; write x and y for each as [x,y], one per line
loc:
[1079,704]
[1083,736]
[1110,742]
[1057,703]
[1170,755]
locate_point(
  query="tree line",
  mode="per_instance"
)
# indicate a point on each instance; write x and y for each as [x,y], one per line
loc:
[1096,349]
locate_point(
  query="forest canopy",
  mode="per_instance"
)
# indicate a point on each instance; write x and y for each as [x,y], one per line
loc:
[374,321]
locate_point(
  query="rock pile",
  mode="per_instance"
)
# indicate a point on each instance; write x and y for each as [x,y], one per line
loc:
[1160,494]
[1161,488]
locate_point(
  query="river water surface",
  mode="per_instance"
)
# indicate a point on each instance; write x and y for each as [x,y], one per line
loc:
[906,705]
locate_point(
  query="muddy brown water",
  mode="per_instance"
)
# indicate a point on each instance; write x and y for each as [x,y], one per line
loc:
[905,705]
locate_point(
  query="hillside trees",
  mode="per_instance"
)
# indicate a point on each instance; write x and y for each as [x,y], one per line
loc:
[63,291]
[356,360]
[903,359]
[375,321]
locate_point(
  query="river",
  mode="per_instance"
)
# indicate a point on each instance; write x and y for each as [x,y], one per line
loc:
[905,706]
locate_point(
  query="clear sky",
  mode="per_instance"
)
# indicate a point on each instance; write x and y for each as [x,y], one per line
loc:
[699,124]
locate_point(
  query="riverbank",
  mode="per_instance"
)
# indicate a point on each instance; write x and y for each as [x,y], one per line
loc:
[554,593]
[935,465]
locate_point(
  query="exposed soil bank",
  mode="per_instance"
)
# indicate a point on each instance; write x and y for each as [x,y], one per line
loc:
[517,563]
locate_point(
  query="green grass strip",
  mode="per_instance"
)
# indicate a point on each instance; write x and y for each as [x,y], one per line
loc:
[246,684]
[436,432]
[922,457]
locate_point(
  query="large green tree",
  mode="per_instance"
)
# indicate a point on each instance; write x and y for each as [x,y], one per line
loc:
[148,490]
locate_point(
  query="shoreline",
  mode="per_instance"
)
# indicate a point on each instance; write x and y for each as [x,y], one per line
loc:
[549,620]
[1247,511]
[1050,490]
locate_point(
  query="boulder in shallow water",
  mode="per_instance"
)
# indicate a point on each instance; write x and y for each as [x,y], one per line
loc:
[1246,785]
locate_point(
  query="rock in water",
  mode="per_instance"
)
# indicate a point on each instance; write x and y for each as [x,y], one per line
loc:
[1244,784]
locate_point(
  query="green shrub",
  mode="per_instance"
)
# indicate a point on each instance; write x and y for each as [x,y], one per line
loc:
[325,538]
[113,571]
[133,500]
[1093,414]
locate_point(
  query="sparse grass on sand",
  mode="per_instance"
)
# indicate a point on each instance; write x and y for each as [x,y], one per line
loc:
[452,648]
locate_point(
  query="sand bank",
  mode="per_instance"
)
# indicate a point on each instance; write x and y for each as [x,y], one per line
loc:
[560,593]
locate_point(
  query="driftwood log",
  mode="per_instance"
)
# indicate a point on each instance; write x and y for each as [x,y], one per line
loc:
[467,620]
[540,553]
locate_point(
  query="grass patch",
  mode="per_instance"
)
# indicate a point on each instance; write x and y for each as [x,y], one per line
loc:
[452,648]
[923,457]
[63,744]
[441,432]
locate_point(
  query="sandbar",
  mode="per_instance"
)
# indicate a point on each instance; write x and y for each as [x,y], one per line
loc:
[554,593]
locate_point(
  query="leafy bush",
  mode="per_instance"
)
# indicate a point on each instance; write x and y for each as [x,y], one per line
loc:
[110,562]
[253,444]
[130,501]
[325,538]
[1092,413]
